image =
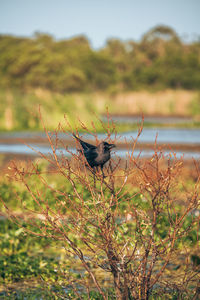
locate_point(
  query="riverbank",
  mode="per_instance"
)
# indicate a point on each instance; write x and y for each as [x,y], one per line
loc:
[20,111]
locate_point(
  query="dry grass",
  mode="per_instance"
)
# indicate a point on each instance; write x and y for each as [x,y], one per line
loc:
[167,102]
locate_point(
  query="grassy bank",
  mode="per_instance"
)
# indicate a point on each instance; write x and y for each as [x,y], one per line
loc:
[20,111]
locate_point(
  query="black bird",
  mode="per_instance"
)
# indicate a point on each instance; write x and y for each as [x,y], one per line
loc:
[96,155]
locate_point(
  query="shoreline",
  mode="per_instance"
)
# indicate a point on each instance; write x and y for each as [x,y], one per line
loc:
[43,141]
[120,145]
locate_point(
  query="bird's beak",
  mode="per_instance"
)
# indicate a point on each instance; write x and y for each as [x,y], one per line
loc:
[112,146]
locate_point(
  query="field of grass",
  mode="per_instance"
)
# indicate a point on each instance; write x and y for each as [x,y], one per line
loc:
[20,111]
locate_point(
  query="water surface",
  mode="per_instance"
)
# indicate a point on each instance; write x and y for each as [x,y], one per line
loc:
[164,136]
[46,150]
[148,135]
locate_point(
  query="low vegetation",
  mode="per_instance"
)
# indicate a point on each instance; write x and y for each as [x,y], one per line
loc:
[131,235]
[19,110]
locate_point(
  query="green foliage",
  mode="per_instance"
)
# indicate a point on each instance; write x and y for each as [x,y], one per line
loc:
[55,293]
[10,193]
[61,75]
[160,59]
[195,105]
[20,256]
[24,109]
[39,293]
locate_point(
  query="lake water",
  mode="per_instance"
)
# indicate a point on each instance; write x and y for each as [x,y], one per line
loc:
[23,149]
[164,135]
[148,135]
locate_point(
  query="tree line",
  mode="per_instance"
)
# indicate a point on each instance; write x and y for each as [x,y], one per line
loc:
[159,60]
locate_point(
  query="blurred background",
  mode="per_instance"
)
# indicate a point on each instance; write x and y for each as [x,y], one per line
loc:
[80,57]
[77,58]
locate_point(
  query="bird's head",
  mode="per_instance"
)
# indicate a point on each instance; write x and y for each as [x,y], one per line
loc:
[108,146]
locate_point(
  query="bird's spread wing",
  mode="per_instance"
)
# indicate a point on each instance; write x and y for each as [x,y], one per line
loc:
[85,146]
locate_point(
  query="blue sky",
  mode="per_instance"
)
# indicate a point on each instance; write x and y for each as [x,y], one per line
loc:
[99,19]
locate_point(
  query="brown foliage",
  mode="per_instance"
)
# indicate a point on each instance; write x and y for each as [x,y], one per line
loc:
[133,224]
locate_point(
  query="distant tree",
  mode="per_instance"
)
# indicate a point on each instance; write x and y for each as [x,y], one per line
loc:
[160,32]
[99,70]
[160,59]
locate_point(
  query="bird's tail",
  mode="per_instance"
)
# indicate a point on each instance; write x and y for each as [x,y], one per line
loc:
[76,137]
[84,145]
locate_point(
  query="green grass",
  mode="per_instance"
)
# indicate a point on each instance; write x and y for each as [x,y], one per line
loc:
[20,111]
